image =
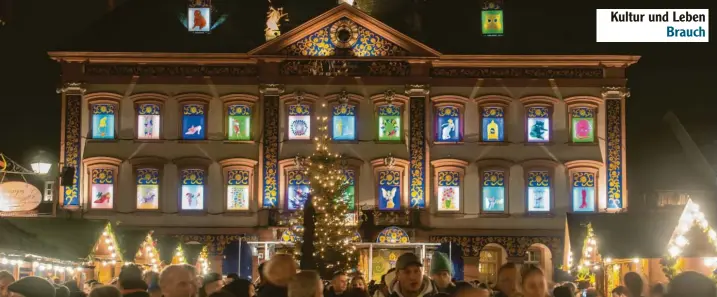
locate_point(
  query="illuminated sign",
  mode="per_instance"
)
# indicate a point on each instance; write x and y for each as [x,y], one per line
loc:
[19,197]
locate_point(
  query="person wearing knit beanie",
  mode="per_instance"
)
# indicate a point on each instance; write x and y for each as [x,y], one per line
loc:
[442,272]
[32,286]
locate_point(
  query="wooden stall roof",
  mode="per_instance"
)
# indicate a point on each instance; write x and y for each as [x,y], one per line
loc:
[15,240]
[130,241]
[66,239]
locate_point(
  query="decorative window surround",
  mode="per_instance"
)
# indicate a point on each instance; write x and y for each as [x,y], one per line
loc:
[449,176]
[103,103]
[584,174]
[380,101]
[583,118]
[539,107]
[497,168]
[491,108]
[451,108]
[392,164]
[187,100]
[239,106]
[146,164]
[244,169]
[108,166]
[149,106]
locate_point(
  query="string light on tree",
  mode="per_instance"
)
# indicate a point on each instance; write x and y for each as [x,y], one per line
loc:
[334,250]
[691,217]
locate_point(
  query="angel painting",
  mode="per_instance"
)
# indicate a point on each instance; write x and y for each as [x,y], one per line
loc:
[388,195]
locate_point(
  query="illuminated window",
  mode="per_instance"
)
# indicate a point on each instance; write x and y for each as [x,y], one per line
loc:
[448,174]
[239,122]
[488,264]
[194,122]
[539,191]
[492,18]
[448,124]
[538,122]
[238,182]
[350,197]
[147,188]
[297,190]
[582,125]
[148,121]
[299,123]
[343,122]
[583,184]
[192,195]
[103,120]
[102,188]
[391,180]
[199,16]
[533,257]
[493,185]
[493,124]
[389,123]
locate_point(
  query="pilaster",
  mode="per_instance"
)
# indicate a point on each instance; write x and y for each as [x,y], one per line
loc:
[417,145]
[615,150]
[269,150]
[71,140]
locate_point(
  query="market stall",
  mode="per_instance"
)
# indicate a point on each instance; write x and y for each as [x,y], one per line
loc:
[657,245]
[376,258]
[139,247]
[173,251]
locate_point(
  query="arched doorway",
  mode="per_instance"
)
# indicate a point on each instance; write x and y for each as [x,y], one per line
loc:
[485,267]
[540,255]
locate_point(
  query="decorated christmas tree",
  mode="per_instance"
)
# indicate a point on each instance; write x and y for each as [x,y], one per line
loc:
[330,232]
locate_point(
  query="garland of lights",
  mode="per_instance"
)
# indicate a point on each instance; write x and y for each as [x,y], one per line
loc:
[690,217]
[109,238]
[333,247]
[204,260]
[590,257]
[150,253]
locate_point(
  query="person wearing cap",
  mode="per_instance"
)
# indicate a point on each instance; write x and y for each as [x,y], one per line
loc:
[410,281]
[386,279]
[441,273]
[32,286]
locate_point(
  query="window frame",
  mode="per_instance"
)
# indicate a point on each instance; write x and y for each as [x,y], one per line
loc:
[306,99]
[239,164]
[534,166]
[400,101]
[450,165]
[93,163]
[590,102]
[240,99]
[148,163]
[498,260]
[104,98]
[193,163]
[400,165]
[149,98]
[586,166]
[333,100]
[495,165]
[539,101]
[494,101]
[355,164]
[285,166]
[188,99]
[455,101]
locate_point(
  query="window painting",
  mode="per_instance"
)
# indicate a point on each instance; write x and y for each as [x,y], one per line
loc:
[199,16]
[389,123]
[389,190]
[583,191]
[103,121]
[148,189]
[538,124]
[299,122]
[448,124]
[193,122]
[148,121]
[102,188]
[493,119]
[192,189]
[238,190]
[492,18]
[493,188]
[449,191]
[344,122]
[350,193]
[583,124]
[298,189]
[538,191]
[239,122]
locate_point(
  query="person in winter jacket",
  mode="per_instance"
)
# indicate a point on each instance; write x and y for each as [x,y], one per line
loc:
[441,273]
[279,271]
[410,281]
[339,285]
[386,279]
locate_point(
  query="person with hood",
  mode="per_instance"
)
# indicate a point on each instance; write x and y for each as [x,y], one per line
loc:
[410,281]
[131,283]
[32,286]
[279,271]
[442,272]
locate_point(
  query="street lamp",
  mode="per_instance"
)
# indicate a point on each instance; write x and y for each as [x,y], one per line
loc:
[40,167]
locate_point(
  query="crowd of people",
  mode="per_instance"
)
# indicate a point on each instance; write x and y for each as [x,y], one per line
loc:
[279,277]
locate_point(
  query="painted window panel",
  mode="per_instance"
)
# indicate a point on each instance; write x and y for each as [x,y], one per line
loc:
[192,189]
[583,124]
[389,123]
[298,190]
[193,122]
[493,120]
[583,191]
[538,124]
[493,196]
[147,189]
[539,191]
[102,188]
[449,186]
[103,121]
[299,122]
[393,235]
[239,122]
[389,190]
[350,193]
[238,190]
[148,121]
[448,126]
[344,122]
[492,18]
[199,19]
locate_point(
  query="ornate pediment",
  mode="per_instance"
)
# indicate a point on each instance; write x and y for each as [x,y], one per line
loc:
[344,32]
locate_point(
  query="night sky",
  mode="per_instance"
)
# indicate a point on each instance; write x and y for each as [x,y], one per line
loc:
[675,77]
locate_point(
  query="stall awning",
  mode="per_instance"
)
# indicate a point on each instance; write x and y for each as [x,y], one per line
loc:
[14,240]
[130,241]
[68,239]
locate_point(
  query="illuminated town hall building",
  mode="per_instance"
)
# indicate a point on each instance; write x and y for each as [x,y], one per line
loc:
[486,151]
